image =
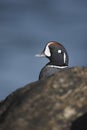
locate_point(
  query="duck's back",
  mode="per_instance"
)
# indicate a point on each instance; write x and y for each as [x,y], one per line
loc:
[48,71]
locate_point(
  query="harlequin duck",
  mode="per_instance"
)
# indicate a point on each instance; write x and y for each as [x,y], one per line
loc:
[58,57]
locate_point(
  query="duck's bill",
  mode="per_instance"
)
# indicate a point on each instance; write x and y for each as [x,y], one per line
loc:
[40,55]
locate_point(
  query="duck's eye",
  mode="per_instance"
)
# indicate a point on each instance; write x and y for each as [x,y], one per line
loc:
[59,51]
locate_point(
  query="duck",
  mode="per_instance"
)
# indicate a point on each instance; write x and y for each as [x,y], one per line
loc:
[58,59]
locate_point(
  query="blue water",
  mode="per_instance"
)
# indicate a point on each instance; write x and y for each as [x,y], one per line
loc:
[25,28]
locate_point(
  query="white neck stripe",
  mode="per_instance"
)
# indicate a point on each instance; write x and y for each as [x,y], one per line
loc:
[59,67]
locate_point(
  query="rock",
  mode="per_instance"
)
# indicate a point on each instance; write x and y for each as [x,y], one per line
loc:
[56,103]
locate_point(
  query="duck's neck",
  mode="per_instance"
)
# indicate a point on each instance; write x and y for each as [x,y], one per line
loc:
[58,60]
[58,64]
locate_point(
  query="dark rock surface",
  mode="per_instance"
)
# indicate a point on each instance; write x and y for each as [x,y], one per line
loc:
[56,103]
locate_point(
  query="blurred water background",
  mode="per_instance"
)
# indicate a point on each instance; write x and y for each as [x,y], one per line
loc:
[27,25]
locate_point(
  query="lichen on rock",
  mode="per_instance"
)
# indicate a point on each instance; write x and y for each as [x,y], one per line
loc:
[56,103]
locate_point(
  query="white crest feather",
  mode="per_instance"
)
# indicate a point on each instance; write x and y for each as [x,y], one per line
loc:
[47,51]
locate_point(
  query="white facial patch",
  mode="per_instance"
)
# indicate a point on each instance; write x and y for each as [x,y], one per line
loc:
[47,51]
[64,57]
[59,51]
